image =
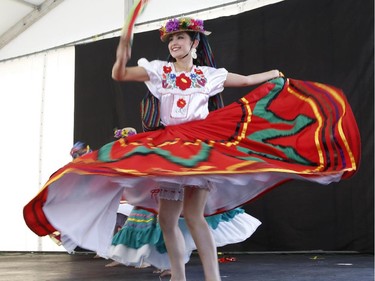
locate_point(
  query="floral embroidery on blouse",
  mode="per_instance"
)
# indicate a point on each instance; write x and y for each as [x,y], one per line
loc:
[183,81]
[181,103]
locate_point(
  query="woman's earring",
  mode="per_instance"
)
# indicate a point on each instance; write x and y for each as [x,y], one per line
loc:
[194,53]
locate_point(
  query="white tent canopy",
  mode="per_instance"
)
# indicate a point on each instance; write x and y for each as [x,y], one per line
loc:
[28,26]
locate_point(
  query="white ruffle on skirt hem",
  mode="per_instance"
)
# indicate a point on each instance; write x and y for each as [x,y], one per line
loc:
[236,230]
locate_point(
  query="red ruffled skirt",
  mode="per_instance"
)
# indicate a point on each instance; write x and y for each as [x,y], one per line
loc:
[285,129]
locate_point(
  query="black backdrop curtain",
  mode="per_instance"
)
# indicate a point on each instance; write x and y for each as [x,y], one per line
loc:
[329,41]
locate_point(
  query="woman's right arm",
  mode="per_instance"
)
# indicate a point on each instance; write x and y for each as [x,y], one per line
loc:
[119,70]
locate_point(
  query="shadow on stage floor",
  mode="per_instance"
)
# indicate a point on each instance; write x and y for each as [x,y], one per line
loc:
[17,266]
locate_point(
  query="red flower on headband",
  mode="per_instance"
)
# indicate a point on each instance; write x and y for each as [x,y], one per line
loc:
[183,82]
[181,103]
[196,25]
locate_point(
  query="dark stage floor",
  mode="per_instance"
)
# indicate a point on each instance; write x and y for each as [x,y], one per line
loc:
[249,267]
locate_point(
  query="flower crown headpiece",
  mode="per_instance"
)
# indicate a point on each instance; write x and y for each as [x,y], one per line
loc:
[124,132]
[182,24]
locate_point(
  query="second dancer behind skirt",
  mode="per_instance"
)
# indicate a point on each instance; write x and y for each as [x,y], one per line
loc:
[283,130]
[140,242]
[81,148]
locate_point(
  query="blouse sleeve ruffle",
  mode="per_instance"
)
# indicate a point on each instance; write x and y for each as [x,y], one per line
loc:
[216,79]
[153,69]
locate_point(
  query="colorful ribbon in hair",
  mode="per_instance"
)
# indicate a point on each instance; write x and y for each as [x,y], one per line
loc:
[137,9]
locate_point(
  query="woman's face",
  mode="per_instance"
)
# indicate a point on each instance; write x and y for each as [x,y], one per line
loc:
[179,44]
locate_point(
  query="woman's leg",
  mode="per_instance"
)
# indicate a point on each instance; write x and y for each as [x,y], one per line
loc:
[169,214]
[194,202]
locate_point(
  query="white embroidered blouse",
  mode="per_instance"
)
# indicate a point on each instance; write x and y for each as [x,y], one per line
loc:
[183,96]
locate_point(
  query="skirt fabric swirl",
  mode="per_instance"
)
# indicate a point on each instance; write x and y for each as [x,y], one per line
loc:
[283,130]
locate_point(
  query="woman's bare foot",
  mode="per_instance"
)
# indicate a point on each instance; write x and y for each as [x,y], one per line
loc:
[143,265]
[165,272]
[112,264]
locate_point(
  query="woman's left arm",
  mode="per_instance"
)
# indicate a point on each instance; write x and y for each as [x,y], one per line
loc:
[237,80]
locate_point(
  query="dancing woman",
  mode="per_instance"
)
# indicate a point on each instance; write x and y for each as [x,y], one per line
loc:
[200,163]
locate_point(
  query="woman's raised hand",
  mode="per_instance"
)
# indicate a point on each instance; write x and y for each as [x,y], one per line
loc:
[123,54]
